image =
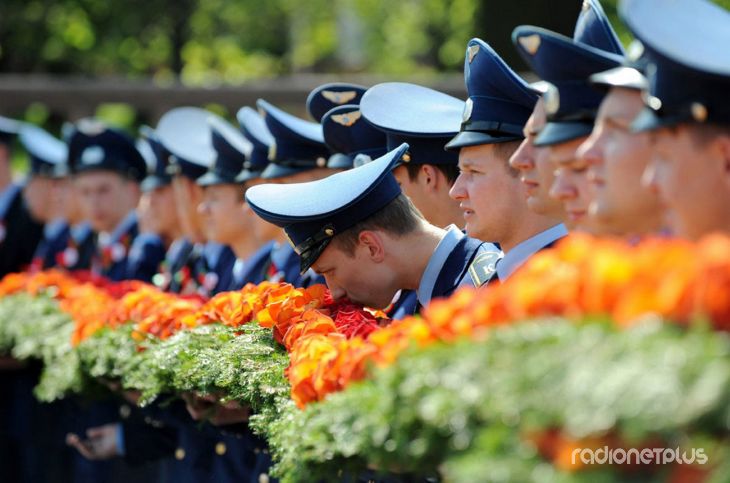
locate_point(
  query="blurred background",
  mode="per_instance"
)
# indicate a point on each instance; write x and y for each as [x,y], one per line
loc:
[128,61]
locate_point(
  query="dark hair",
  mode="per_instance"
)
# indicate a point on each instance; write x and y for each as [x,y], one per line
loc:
[399,217]
[706,133]
[450,171]
[505,151]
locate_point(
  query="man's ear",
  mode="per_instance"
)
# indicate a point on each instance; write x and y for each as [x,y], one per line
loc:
[372,243]
[429,175]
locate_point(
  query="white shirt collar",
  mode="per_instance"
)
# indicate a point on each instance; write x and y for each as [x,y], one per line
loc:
[514,258]
[436,263]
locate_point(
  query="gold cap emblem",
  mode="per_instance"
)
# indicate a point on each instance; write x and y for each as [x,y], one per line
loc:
[472,52]
[653,102]
[531,43]
[468,107]
[347,119]
[552,100]
[699,111]
[336,97]
[406,158]
[329,231]
[272,151]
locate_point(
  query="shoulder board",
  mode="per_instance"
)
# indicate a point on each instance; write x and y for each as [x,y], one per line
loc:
[484,267]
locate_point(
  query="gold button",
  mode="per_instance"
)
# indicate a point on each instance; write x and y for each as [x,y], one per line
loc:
[257,450]
[699,112]
[179,454]
[263,478]
[220,449]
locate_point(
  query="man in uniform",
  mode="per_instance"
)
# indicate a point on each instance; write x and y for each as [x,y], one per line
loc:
[570,101]
[108,169]
[425,119]
[616,158]
[20,230]
[223,206]
[45,150]
[488,189]
[686,110]
[536,172]
[195,264]
[366,238]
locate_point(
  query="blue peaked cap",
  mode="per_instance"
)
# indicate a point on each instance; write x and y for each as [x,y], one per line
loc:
[328,96]
[421,117]
[298,145]
[499,103]
[48,155]
[94,146]
[231,150]
[566,64]
[157,158]
[313,213]
[686,47]
[9,128]
[348,135]
[185,134]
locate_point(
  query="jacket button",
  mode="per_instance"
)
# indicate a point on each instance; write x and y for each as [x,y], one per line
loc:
[179,454]
[263,478]
[220,449]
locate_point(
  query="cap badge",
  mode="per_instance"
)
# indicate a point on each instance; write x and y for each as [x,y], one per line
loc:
[531,43]
[699,111]
[272,152]
[339,97]
[552,100]
[468,107]
[472,52]
[92,155]
[347,119]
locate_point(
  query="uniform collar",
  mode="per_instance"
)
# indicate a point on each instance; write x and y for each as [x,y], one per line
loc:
[54,228]
[80,231]
[436,263]
[514,258]
[124,227]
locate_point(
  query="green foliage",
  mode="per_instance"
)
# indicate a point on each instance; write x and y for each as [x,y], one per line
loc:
[244,364]
[219,41]
[462,408]
[32,327]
